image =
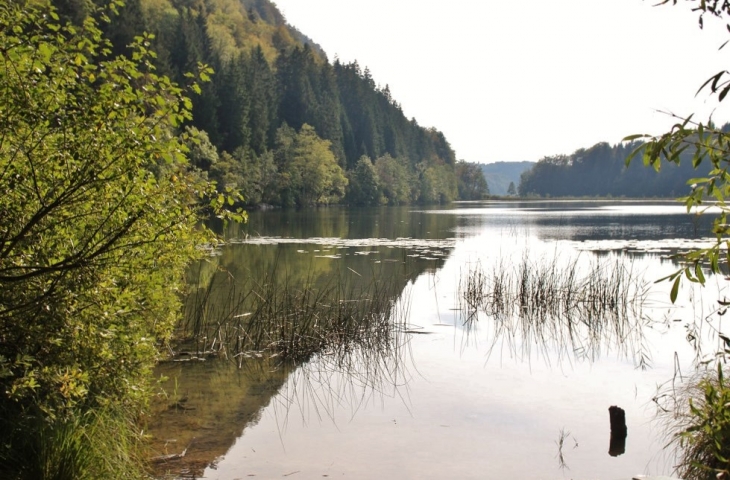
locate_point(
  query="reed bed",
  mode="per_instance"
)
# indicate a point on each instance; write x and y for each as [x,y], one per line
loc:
[558,304]
[272,317]
[330,342]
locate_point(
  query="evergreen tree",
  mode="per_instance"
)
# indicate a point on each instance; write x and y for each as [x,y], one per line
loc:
[235,105]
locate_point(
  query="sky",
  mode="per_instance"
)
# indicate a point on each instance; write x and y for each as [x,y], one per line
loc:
[512,80]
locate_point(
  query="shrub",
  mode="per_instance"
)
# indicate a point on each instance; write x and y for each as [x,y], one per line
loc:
[700,426]
[99,219]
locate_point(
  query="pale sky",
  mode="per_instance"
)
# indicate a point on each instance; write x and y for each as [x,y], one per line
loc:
[521,79]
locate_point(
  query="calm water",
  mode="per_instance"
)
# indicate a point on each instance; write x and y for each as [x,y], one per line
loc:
[489,398]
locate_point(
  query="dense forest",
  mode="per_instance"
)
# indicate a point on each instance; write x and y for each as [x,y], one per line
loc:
[282,125]
[601,171]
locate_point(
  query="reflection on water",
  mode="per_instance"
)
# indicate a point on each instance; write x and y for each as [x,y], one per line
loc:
[204,403]
[203,406]
[450,397]
[598,221]
[335,387]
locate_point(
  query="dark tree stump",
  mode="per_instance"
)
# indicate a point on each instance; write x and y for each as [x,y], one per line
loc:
[619,431]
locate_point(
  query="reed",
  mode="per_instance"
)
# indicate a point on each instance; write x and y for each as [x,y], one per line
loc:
[568,304]
[274,318]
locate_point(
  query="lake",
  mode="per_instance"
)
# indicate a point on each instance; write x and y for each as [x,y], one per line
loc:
[506,356]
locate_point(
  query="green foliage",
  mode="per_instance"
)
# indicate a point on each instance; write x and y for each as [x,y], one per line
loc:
[470,181]
[245,171]
[364,186]
[437,184]
[395,180]
[602,171]
[100,212]
[702,427]
[308,173]
[102,443]
[705,148]
[267,74]
[201,153]
[702,432]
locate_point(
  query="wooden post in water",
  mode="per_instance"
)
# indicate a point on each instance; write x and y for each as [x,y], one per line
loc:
[619,431]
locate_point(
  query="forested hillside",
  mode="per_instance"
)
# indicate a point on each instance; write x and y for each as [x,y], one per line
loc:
[601,171]
[285,126]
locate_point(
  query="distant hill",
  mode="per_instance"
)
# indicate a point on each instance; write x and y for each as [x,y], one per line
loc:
[499,175]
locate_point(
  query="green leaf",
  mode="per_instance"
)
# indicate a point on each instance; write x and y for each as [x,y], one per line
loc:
[634,153]
[697,180]
[637,136]
[724,93]
[698,273]
[675,290]
[45,51]
[713,81]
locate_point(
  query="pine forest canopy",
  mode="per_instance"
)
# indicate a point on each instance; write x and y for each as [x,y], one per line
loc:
[268,77]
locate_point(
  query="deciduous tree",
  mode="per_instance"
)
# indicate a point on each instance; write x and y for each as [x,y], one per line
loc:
[99,218]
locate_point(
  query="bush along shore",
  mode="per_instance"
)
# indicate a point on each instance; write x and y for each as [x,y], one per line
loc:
[100,217]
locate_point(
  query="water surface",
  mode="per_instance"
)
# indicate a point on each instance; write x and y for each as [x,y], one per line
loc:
[489,397]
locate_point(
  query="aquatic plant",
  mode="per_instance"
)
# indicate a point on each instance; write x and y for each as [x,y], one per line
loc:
[317,345]
[576,308]
[693,409]
[560,442]
[271,317]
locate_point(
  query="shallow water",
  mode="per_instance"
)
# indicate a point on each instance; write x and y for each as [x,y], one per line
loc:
[489,398]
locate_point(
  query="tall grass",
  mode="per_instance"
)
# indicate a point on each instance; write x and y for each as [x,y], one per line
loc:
[569,305]
[100,443]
